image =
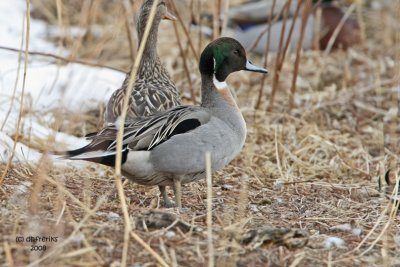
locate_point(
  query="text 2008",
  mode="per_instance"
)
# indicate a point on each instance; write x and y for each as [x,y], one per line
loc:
[38,248]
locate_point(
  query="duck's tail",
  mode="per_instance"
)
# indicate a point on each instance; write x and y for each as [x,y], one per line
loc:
[94,152]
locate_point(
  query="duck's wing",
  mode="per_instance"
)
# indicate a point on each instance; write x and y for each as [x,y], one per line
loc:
[145,100]
[143,133]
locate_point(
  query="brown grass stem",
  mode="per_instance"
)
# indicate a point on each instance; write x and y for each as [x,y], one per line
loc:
[70,238]
[339,28]
[266,52]
[317,27]
[8,254]
[289,38]
[209,211]
[273,20]
[128,14]
[304,19]
[225,18]
[149,249]
[118,160]
[186,32]
[85,15]
[277,156]
[200,34]
[68,194]
[360,20]
[216,16]
[185,64]
[279,57]
[294,20]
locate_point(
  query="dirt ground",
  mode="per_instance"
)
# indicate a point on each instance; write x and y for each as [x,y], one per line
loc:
[303,192]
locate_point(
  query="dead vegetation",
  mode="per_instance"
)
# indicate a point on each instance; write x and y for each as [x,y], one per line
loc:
[305,175]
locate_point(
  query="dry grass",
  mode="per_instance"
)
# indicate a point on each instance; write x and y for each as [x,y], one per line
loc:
[313,168]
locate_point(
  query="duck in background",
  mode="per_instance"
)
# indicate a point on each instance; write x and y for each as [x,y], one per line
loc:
[248,21]
[153,91]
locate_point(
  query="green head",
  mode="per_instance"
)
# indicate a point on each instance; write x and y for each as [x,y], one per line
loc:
[224,56]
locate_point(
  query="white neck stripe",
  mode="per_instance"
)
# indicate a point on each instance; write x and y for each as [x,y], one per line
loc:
[215,64]
[219,85]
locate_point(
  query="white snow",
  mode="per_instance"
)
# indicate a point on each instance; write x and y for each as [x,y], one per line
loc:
[347,227]
[74,87]
[111,216]
[23,187]
[170,234]
[334,241]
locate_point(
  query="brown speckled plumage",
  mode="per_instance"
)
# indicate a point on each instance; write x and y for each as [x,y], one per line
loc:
[153,90]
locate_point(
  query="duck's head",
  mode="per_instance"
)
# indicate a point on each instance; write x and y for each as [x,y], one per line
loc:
[390,183]
[161,13]
[224,56]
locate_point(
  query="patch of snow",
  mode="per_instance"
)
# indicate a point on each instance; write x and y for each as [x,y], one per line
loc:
[78,238]
[74,87]
[278,184]
[101,173]
[111,216]
[333,241]
[22,152]
[170,234]
[254,208]
[357,231]
[23,187]
[346,227]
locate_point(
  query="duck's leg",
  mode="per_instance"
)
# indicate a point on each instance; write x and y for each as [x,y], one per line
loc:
[178,192]
[167,202]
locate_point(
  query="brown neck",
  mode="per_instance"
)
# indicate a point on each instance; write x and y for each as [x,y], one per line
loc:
[227,95]
[150,50]
[212,96]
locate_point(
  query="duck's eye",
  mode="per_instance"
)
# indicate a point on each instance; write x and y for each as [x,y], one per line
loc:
[236,52]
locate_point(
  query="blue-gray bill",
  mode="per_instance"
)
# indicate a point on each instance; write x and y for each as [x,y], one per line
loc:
[251,67]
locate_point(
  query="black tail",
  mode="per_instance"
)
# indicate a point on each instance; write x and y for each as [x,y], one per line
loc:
[108,160]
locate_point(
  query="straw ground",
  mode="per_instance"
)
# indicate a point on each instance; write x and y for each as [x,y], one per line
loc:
[313,168]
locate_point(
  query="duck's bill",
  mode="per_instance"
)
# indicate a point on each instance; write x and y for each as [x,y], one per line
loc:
[251,67]
[169,16]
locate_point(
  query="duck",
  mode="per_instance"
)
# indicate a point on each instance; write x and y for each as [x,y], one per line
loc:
[153,90]
[168,148]
[389,184]
[248,22]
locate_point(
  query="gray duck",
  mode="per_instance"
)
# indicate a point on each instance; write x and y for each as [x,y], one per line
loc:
[168,148]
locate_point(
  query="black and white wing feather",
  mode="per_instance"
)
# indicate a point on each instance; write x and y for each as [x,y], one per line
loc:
[142,133]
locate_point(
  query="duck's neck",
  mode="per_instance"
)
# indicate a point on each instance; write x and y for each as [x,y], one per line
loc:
[218,98]
[216,94]
[150,56]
